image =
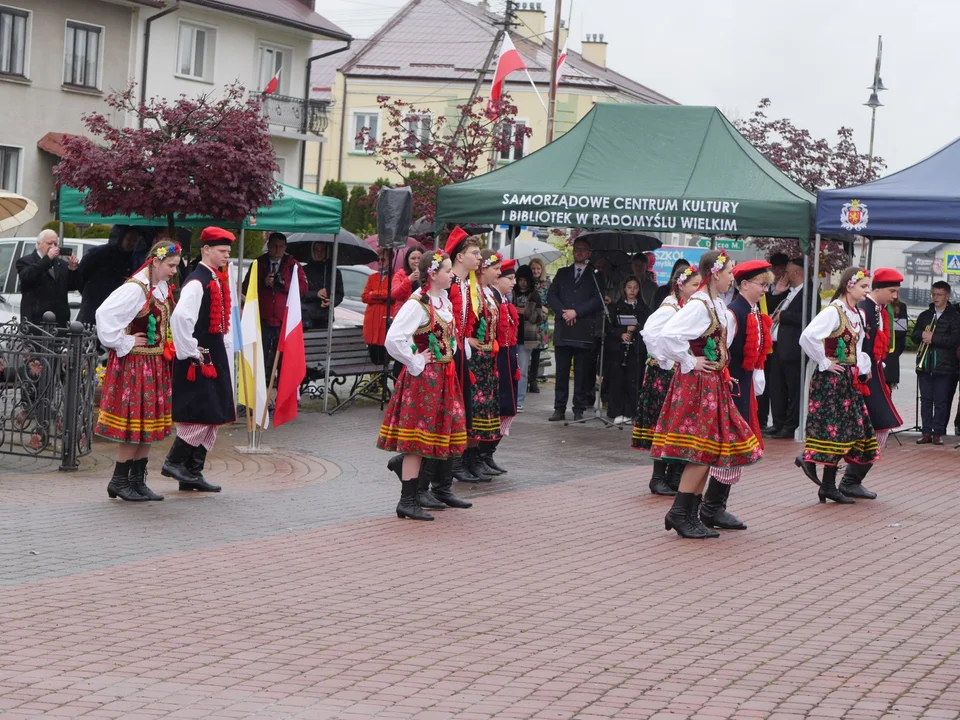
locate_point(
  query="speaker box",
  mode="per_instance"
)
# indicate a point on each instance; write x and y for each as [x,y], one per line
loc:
[394,212]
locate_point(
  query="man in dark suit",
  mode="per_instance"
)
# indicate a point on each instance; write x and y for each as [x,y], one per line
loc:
[576,300]
[45,280]
[785,370]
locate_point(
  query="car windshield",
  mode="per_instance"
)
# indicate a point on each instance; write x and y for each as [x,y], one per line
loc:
[353,282]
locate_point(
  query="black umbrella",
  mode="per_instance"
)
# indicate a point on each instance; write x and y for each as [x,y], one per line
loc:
[351,251]
[629,242]
[426,227]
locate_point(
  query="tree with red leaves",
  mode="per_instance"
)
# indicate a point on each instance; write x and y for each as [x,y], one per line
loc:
[811,163]
[429,151]
[208,156]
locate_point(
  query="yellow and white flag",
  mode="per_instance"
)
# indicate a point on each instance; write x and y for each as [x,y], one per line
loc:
[252,377]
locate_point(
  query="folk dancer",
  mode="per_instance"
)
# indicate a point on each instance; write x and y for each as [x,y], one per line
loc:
[752,343]
[135,407]
[424,419]
[700,424]
[877,344]
[838,424]
[659,374]
[508,361]
[203,396]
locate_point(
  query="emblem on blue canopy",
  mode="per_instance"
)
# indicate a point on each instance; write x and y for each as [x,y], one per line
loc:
[854,215]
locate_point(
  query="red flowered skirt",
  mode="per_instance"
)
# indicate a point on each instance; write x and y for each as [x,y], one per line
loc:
[486,396]
[701,425]
[656,383]
[135,405]
[425,416]
[838,424]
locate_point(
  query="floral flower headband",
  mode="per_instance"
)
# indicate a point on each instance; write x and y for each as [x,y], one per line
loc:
[688,272]
[162,251]
[435,264]
[857,277]
[492,260]
[718,265]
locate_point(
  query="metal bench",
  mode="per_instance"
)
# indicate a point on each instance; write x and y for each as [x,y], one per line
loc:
[349,359]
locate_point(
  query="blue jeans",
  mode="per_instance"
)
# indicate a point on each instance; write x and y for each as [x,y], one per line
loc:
[523,357]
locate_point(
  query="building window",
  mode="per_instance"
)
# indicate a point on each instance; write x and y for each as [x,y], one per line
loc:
[275,60]
[510,133]
[419,131]
[195,49]
[10,169]
[361,121]
[281,174]
[13,41]
[81,55]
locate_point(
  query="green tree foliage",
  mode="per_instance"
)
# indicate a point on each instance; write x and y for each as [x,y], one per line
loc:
[96,232]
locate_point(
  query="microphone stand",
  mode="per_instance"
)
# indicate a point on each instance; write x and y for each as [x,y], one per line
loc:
[598,378]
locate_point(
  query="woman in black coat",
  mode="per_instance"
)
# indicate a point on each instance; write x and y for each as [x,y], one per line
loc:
[624,348]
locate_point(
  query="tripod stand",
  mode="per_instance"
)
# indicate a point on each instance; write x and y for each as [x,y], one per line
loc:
[598,377]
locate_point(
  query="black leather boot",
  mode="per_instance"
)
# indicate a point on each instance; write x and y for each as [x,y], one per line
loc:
[487,449]
[175,464]
[658,481]
[473,463]
[138,480]
[395,465]
[428,470]
[443,484]
[461,472]
[409,505]
[809,468]
[674,473]
[828,487]
[196,480]
[679,517]
[852,483]
[713,511]
[120,487]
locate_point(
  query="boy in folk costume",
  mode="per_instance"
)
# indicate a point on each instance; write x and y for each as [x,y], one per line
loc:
[135,411]
[202,382]
[508,364]
[425,418]
[877,344]
[750,343]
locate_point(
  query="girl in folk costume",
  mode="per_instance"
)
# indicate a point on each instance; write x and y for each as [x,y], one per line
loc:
[657,378]
[878,342]
[508,362]
[700,424]
[135,409]
[483,372]
[425,417]
[838,424]
[751,342]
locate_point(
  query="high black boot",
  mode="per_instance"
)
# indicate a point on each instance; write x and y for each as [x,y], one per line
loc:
[473,463]
[395,465]
[828,487]
[442,484]
[138,480]
[852,483]
[679,517]
[486,451]
[713,512]
[196,480]
[175,464]
[120,487]
[658,482]
[674,475]
[809,468]
[409,505]
[428,471]
[461,472]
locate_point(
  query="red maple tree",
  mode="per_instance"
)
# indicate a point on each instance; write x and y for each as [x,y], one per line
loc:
[208,156]
[429,151]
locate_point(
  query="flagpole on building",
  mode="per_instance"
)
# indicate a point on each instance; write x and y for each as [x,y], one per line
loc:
[536,91]
[552,111]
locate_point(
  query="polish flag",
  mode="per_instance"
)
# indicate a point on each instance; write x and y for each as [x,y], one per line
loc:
[508,62]
[273,84]
[561,60]
[293,368]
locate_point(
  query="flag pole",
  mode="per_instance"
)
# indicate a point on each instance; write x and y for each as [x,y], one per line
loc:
[537,92]
[552,112]
[273,377]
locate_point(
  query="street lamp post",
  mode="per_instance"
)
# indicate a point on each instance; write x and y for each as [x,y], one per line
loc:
[874,102]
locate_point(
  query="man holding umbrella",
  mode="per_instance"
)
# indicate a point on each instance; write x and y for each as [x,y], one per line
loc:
[274,275]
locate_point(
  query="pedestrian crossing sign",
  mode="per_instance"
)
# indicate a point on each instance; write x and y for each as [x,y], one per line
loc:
[951,263]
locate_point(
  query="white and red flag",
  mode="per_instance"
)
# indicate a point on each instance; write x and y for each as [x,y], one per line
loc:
[508,62]
[273,84]
[561,60]
[293,367]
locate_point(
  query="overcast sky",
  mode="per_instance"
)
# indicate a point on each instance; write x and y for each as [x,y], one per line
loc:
[812,58]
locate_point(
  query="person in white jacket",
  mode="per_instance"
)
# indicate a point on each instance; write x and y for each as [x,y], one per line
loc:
[838,424]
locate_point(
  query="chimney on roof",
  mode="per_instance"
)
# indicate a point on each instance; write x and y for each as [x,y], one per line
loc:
[564,33]
[594,50]
[483,5]
[312,4]
[531,19]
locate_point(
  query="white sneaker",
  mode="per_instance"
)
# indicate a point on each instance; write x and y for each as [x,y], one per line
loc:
[519,408]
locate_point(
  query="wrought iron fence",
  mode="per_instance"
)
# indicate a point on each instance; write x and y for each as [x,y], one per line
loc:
[296,114]
[47,381]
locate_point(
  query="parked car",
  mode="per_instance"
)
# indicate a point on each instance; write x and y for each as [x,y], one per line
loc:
[354,281]
[11,250]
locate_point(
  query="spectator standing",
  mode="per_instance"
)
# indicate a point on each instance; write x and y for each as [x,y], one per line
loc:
[45,280]
[664,290]
[274,277]
[541,284]
[785,370]
[375,317]
[624,350]
[639,264]
[576,300]
[937,333]
[531,312]
[317,298]
[406,280]
[104,269]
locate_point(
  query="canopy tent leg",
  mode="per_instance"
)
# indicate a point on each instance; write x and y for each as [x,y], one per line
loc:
[330,317]
[869,254]
[513,231]
[240,250]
